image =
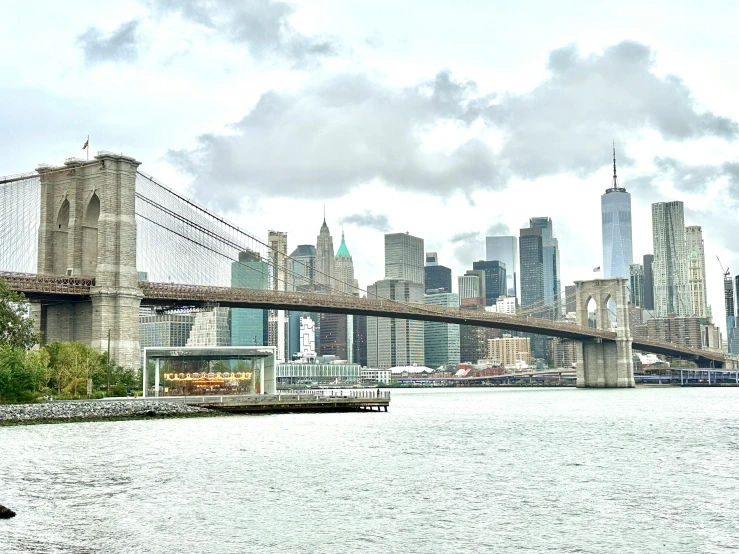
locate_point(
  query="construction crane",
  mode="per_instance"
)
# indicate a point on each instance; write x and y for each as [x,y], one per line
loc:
[726,271]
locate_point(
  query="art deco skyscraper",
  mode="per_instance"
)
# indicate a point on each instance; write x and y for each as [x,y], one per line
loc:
[343,269]
[670,267]
[696,270]
[324,258]
[615,206]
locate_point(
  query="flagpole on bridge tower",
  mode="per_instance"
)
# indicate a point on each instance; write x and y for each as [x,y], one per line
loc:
[86,146]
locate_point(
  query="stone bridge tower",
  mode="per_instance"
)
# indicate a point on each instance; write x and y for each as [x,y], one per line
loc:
[606,363]
[88,229]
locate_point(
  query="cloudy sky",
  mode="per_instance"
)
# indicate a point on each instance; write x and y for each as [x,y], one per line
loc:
[446,119]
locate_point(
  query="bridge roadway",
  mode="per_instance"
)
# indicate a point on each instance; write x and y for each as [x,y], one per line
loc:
[51,288]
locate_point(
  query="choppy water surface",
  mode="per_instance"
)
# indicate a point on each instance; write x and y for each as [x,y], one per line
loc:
[494,470]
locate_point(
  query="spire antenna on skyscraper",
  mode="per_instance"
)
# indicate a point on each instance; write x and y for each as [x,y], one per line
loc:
[615,180]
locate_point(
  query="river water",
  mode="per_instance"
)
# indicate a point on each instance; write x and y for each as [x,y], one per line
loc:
[445,470]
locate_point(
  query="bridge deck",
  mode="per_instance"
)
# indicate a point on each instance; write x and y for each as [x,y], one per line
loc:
[50,288]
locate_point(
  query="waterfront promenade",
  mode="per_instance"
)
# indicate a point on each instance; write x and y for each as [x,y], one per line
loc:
[194,406]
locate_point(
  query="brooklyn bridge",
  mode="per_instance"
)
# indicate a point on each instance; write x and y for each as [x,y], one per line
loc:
[89,242]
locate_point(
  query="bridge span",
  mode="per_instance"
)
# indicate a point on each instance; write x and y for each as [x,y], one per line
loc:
[84,230]
[50,288]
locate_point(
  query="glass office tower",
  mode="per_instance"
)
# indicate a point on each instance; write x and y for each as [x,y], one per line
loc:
[615,206]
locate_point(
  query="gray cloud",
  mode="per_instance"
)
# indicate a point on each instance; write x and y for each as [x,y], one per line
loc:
[339,133]
[696,178]
[686,177]
[117,46]
[345,130]
[498,229]
[464,237]
[369,220]
[262,25]
[565,124]
[468,248]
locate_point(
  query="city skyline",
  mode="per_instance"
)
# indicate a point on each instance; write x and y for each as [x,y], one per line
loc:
[489,140]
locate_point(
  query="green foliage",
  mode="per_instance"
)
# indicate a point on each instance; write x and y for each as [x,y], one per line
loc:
[21,376]
[16,328]
[62,370]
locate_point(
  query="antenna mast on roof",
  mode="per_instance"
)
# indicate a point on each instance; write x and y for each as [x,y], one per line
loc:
[615,179]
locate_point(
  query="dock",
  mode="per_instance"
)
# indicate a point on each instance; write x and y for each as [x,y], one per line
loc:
[295,401]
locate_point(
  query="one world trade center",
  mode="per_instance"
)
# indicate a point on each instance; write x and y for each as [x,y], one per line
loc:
[615,206]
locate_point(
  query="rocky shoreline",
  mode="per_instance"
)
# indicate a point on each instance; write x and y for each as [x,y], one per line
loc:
[96,410]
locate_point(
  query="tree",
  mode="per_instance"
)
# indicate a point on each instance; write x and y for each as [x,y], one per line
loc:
[21,374]
[16,328]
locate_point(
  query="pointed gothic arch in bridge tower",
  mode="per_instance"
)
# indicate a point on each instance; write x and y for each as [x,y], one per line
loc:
[90,236]
[88,228]
[605,363]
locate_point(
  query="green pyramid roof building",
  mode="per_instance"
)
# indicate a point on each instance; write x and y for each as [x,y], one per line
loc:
[343,251]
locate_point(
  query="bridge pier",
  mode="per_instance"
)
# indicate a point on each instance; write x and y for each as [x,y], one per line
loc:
[605,364]
[88,229]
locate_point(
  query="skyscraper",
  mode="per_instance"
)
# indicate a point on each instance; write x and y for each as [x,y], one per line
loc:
[436,277]
[696,270]
[302,266]
[616,225]
[648,282]
[343,269]
[324,259]
[636,278]
[249,325]
[670,267]
[404,257]
[333,336]
[441,340]
[278,329]
[495,279]
[278,259]
[570,299]
[336,331]
[359,342]
[531,250]
[505,249]
[551,269]
[532,268]
[395,342]
[469,286]
[730,318]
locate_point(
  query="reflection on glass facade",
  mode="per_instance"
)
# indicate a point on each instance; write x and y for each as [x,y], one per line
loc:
[615,206]
[441,340]
[248,325]
[505,249]
[532,268]
[496,283]
[552,272]
[617,249]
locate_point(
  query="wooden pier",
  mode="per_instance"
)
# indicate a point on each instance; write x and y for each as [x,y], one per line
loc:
[296,401]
